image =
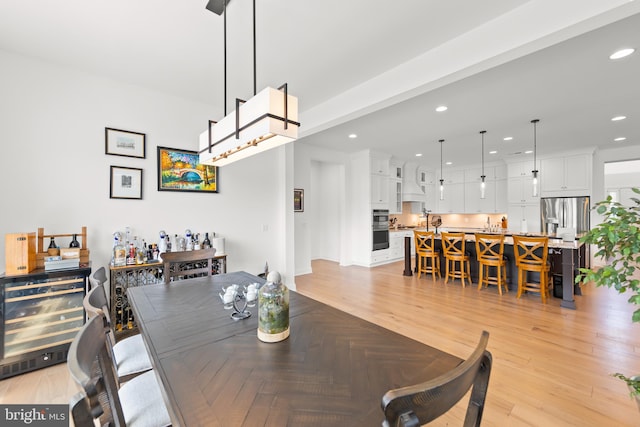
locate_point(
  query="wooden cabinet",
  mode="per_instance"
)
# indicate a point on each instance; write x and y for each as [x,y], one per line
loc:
[41,314]
[566,176]
[122,278]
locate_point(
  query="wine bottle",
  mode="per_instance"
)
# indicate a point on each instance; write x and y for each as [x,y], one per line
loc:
[206,243]
[74,242]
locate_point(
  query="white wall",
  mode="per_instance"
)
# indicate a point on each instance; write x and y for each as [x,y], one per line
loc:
[55,173]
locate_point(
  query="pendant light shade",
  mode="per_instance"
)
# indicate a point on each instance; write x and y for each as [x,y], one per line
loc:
[535,169]
[266,121]
[483,176]
[441,179]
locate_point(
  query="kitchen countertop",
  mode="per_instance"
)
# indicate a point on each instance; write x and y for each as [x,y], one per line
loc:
[555,242]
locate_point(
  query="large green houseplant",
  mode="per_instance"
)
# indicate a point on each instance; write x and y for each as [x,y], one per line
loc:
[617,239]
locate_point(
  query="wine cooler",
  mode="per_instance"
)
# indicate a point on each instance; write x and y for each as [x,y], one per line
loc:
[41,313]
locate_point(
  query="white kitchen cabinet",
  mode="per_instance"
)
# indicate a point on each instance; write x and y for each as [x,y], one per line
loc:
[475,174]
[501,195]
[518,169]
[566,176]
[379,192]
[379,164]
[472,201]
[500,172]
[520,190]
[395,196]
[451,177]
[453,198]
[396,244]
[529,212]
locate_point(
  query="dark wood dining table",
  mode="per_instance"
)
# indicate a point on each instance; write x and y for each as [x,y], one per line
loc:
[213,370]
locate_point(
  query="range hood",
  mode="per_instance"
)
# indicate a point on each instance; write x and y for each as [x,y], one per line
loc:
[411,190]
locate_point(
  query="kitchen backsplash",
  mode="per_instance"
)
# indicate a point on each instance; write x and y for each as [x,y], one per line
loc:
[449,220]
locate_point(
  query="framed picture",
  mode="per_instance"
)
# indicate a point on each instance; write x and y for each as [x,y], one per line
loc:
[181,170]
[124,143]
[126,183]
[298,200]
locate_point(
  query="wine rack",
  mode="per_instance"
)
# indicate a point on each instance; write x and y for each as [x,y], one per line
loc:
[41,313]
[124,277]
[41,252]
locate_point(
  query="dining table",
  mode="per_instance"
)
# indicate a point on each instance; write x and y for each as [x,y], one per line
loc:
[332,370]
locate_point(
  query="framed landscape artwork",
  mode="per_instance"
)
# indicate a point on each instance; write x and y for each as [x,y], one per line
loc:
[124,143]
[125,183]
[181,170]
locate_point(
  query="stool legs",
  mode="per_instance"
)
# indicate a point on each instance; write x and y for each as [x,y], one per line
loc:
[500,279]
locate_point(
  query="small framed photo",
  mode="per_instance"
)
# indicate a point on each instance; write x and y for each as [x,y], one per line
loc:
[298,200]
[124,143]
[126,183]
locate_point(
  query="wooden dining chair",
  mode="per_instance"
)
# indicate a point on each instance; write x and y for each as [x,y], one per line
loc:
[453,245]
[187,264]
[137,403]
[531,257]
[490,254]
[428,257]
[422,403]
[129,354]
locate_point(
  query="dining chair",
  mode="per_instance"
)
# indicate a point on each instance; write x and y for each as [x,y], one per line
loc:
[428,257]
[490,254]
[137,403]
[422,403]
[187,264]
[453,245]
[531,257]
[129,354]
[98,277]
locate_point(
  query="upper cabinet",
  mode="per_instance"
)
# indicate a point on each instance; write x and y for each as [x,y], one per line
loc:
[379,164]
[566,176]
[518,169]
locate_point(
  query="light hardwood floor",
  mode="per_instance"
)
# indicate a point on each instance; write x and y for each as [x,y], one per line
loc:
[551,365]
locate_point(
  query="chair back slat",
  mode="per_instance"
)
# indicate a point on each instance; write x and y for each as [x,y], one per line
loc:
[185,264]
[453,244]
[423,403]
[489,246]
[95,303]
[424,241]
[100,385]
[531,251]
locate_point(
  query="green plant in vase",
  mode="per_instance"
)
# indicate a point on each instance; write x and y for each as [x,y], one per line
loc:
[617,240]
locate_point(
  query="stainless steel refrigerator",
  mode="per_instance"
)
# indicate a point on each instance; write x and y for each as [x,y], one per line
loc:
[564,212]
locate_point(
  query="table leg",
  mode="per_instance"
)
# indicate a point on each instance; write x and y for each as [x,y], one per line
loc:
[568,267]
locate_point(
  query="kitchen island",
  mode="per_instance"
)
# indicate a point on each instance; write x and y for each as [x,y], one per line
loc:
[565,258]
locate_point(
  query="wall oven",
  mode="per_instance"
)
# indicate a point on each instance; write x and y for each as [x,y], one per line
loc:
[380,221]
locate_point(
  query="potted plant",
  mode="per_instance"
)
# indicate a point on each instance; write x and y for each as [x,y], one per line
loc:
[617,240]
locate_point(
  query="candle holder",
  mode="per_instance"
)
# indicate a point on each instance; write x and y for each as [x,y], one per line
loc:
[239,299]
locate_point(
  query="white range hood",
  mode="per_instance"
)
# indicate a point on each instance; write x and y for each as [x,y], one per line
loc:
[411,190]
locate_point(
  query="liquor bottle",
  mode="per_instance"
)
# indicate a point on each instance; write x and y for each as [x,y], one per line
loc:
[273,309]
[53,250]
[119,253]
[74,242]
[206,243]
[131,255]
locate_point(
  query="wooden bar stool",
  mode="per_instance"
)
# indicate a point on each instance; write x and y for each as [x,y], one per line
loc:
[490,253]
[425,251]
[453,248]
[531,256]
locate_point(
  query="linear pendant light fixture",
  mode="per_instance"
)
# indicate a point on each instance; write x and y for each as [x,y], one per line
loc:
[441,179]
[483,176]
[266,121]
[535,170]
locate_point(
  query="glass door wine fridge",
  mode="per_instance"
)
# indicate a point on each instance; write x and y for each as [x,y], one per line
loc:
[41,313]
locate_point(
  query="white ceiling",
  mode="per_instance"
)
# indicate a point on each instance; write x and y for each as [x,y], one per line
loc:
[372,67]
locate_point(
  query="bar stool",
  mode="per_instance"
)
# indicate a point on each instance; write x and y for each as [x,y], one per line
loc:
[490,253]
[453,247]
[425,251]
[531,256]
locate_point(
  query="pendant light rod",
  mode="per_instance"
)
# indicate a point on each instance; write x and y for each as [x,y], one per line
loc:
[441,179]
[254,48]
[535,122]
[482,132]
[225,56]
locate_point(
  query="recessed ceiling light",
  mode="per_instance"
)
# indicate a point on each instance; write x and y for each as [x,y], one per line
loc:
[353,136]
[419,155]
[493,152]
[507,138]
[622,138]
[621,53]
[528,152]
[448,163]
[618,118]
[441,108]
